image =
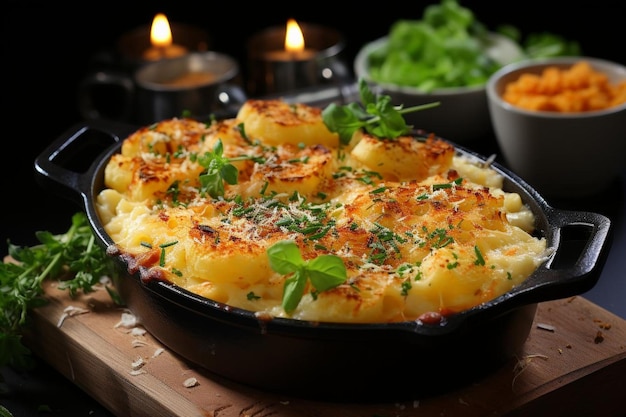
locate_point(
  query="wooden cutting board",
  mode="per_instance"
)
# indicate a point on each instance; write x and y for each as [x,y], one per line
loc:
[573,363]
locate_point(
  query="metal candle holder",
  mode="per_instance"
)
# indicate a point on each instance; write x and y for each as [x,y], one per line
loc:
[273,70]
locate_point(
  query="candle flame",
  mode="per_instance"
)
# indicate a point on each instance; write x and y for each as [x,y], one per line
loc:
[160,32]
[294,39]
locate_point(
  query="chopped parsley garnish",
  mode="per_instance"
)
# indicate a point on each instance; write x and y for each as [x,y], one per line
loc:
[252,296]
[479,256]
[163,246]
[439,237]
[457,181]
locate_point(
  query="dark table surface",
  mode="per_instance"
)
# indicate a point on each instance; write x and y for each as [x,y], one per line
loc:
[47,50]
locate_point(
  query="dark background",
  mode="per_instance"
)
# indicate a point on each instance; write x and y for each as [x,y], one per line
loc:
[48,47]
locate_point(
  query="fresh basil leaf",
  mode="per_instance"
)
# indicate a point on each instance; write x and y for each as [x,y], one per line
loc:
[326,272]
[293,291]
[285,257]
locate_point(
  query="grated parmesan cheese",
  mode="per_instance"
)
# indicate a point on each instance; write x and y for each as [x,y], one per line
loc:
[71,311]
[128,321]
[190,382]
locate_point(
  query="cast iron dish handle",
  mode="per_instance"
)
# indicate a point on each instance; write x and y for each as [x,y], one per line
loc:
[66,165]
[588,261]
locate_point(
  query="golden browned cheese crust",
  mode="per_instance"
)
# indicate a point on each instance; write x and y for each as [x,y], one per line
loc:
[419,228]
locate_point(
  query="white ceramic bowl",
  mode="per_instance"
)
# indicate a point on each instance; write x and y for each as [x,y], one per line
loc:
[463,115]
[562,155]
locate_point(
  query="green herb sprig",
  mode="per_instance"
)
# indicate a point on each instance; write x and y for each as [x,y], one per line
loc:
[449,46]
[219,169]
[376,114]
[74,254]
[324,272]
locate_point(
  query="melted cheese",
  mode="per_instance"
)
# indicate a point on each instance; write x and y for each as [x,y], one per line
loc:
[419,227]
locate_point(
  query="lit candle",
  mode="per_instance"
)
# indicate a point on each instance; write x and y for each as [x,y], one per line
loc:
[279,59]
[294,45]
[162,42]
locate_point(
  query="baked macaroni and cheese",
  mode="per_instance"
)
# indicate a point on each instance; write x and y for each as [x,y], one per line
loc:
[270,211]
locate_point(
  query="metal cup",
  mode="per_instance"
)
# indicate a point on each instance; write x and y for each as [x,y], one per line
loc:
[196,84]
[270,71]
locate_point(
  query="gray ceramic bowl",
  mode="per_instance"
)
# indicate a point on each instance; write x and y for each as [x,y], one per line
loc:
[562,155]
[462,116]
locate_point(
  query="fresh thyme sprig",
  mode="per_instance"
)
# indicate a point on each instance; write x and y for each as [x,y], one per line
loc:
[376,114]
[73,253]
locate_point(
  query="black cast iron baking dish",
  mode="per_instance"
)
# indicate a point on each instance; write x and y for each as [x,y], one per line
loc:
[338,362]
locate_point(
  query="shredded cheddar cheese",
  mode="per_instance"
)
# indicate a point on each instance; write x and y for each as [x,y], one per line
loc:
[579,88]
